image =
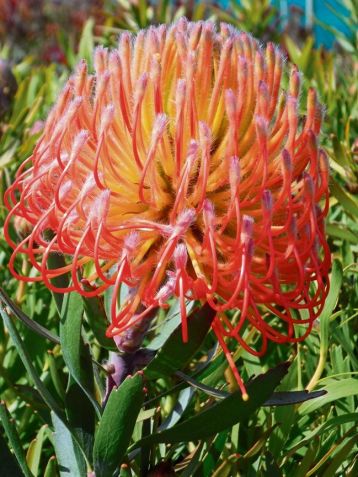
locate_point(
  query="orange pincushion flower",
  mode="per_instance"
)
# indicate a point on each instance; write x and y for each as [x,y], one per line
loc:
[181,169]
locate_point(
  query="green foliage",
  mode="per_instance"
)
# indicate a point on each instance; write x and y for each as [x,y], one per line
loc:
[175,354]
[134,15]
[53,352]
[258,17]
[116,425]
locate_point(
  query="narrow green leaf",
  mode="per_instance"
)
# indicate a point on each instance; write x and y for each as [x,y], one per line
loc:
[25,358]
[181,405]
[347,201]
[214,450]
[210,454]
[9,466]
[339,155]
[116,425]
[14,439]
[340,457]
[307,461]
[55,375]
[260,443]
[335,389]
[210,391]
[70,458]
[167,327]
[293,50]
[271,467]
[231,410]
[283,398]
[161,10]
[142,10]
[333,447]
[86,45]
[194,462]
[36,327]
[306,53]
[352,470]
[97,319]
[174,355]
[323,428]
[342,232]
[284,416]
[56,260]
[81,416]
[75,353]
[324,320]
[280,398]
[51,468]
[34,451]
[9,154]
[224,469]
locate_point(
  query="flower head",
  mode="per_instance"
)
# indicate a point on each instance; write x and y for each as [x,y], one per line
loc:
[182,167]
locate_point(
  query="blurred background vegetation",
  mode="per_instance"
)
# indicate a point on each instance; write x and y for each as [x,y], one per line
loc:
[40,43]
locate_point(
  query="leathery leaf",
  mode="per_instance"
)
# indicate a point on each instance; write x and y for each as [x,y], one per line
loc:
[116,425]
[75,353]
[230,410]
[175,354]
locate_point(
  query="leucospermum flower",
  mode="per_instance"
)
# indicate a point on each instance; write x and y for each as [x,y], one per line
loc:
[182,167]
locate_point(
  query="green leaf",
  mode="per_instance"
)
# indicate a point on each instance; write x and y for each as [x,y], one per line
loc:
[324,320]
[174,355]
[283,398]
[181,405]
[210,391]
[195,461]
[307,461]
[322,429]
[271,467]
[210,458]
[335,389]
[75,353]
[280,398]
[161,10]
[55,375]
[294,51]
[36,327]
[116,425]
[14,440]
[97,319]
[86,45]
[340,457]
[284,416]
[342,232]
[167,326]
[347,201]
[25,358]
[30,395]
[142,11]
[24,355]
[81,416]
[43,391]
[34,451]
[224,469]
[223,414]
[306,53]
[8,155]
[70,458]
[51,468]
[54,261]
[339,155]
